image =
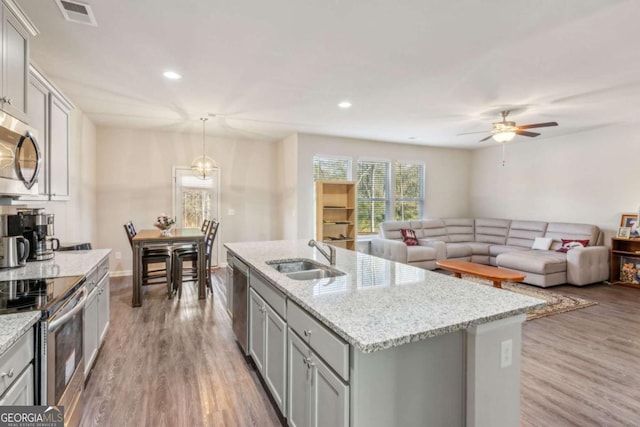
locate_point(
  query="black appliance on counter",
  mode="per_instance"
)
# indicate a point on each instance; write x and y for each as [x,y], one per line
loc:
[38,229]
[59,363]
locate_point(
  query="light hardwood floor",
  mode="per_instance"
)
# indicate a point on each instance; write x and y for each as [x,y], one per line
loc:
[175,363]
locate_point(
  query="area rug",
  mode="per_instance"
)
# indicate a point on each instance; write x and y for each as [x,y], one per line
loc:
[556,303]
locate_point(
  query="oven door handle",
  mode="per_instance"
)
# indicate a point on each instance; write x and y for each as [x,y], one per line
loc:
[57,322]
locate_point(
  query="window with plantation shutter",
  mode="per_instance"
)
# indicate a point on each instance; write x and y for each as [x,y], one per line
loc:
[409,194]
[372,195]
[326,168]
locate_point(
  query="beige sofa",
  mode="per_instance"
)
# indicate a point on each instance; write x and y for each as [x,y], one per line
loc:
[503,243]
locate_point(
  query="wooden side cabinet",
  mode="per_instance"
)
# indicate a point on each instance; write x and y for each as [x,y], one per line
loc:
[336,213]
[625,262]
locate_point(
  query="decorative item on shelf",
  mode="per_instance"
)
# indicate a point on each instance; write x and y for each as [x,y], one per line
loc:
[164,223]
[630,220]
[624,233]
[203,166]
[629,268]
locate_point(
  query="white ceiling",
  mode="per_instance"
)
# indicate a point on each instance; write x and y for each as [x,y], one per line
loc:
[427,69]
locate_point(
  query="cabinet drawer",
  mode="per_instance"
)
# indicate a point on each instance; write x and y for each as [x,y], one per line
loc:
[102,269]
[14,360]
[328,345]
[92,280]
[272,296]
[21,391]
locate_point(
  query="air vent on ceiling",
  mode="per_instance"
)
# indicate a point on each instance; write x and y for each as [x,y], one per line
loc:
[74,11]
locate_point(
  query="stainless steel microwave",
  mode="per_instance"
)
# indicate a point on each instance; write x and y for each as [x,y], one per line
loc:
[20,158]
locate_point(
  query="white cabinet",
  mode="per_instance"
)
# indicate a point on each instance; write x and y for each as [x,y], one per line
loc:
[90,337]
[15,65]
[96,313]
[104,305]
[58,148]
[268,346]
[317,396]
[49,116]
[21,391]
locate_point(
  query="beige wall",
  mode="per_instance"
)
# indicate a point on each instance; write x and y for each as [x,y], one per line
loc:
[446,171]
[75,219]
[288,185]
[587,177]
[135,183]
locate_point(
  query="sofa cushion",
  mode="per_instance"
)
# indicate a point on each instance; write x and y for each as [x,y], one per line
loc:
[495,250]
[433,229]
[420,253]
[561,230]
[522,233]
[460,229]
[458,250]
[391,229]
[490,230]
[539,262]
[479,248]
[409,237]
[542,243]
[568,244]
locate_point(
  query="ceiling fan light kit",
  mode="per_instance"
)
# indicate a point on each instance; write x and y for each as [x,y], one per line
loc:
[203,166]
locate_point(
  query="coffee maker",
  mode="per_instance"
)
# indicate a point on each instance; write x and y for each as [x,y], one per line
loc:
[14,248]
[38,230]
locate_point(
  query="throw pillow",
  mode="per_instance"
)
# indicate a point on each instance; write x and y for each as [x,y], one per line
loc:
[542,243]
[568,244]
[409,237]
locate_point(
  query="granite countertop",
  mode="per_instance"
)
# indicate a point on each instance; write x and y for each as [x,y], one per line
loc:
[380,304]
[13,326]
[65,263]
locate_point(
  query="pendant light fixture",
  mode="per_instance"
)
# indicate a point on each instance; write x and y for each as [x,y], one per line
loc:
[203,166]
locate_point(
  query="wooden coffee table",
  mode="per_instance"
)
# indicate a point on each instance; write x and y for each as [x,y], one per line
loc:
[495,274]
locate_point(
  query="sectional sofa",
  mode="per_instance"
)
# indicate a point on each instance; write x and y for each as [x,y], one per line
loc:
[503,243]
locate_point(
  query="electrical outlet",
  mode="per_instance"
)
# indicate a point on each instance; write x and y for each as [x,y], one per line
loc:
[118,255]
[506,353]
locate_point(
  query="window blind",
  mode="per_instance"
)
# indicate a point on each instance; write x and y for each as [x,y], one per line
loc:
[372,194]
[327,168]
[409,200]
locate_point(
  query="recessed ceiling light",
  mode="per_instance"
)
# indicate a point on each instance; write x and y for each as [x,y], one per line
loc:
[172,75]
[345,104]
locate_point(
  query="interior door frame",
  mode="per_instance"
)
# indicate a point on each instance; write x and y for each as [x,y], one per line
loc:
[215,262]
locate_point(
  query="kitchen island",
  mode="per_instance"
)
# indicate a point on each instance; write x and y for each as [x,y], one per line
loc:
[384,344]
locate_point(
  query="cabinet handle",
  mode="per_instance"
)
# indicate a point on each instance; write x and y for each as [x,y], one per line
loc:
[9,374]
[307,332]
[9,101]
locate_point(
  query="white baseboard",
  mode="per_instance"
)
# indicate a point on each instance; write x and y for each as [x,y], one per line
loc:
[121,273]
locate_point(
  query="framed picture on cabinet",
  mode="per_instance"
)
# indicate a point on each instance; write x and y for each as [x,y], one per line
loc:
[624,233]
[630,221]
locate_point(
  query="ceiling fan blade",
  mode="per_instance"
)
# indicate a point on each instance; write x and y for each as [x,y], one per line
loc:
[538,125]
[470,133]
[525,133]
[489,137]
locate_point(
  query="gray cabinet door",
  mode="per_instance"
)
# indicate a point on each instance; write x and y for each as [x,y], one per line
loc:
[21,392]
[15,66]
[104,305]
[39,120]
[330,397]
[299,384]
[275,359]
[58,149]
[256,329]
[90,331]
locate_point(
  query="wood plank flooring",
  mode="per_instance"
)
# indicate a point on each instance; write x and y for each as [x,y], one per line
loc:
[175,363]
[172,363]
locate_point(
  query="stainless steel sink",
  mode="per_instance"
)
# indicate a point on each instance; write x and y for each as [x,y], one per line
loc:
[304,269]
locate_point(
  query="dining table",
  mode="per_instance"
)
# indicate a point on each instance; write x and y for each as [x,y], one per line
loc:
[154,238]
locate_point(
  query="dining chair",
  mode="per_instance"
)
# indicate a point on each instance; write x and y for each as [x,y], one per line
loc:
[181,256]
[152,256]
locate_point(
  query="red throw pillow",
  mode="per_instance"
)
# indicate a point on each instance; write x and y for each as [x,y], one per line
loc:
[568,244]
[409,237]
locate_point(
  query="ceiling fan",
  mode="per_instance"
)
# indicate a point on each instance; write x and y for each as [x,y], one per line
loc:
[505,131]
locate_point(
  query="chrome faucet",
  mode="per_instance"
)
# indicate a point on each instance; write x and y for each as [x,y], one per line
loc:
[331,256]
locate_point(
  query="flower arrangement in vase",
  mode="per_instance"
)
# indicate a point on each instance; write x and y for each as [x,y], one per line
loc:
[164,223]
